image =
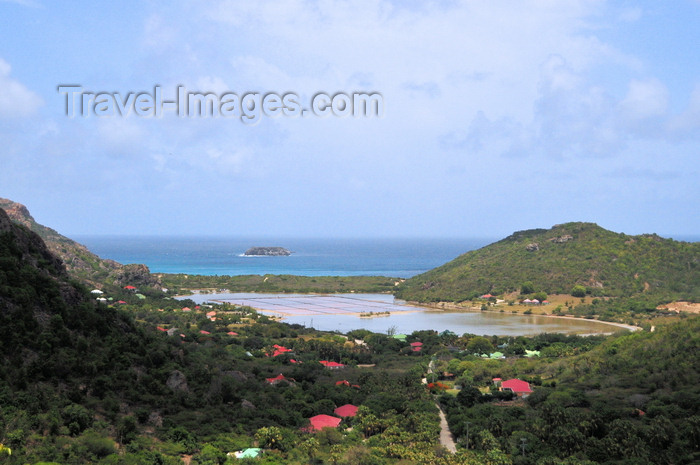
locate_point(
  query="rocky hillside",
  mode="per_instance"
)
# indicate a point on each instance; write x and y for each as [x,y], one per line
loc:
[79,261]
[602,262]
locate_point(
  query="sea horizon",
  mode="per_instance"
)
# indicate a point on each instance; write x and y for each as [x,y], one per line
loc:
[223,255]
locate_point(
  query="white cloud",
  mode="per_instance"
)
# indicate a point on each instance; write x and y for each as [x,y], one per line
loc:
[645,99]
[16,100]
[687,124]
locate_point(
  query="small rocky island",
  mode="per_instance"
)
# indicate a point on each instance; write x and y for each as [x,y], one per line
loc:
[268,251]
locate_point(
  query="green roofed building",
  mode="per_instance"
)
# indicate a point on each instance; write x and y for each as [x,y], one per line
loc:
[250,453]
[532,353]
[400,337]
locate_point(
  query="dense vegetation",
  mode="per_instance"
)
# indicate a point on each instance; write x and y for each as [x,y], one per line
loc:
[632,273]
[633,399]
[155,380]
[182,283]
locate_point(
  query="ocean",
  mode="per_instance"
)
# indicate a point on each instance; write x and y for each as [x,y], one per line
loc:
[398,258]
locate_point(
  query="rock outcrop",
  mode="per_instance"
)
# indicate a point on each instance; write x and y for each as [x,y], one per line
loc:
[78,260]
[268,251]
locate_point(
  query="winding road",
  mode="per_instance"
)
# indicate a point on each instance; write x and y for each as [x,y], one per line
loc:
[446,438]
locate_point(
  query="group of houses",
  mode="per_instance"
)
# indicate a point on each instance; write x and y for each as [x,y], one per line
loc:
[318,422]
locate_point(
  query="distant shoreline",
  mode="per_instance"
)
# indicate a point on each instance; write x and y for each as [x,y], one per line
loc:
[436,306]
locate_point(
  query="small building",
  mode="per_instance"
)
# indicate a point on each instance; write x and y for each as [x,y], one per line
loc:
[416,346]
[347,410]
[249,453]
[519,387]
[280,350]
[332,365]
[279,379]
[323,421]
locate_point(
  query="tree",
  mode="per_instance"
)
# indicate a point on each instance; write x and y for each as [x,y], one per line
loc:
[269,437]
[479,345]
[578,291]
[527,288]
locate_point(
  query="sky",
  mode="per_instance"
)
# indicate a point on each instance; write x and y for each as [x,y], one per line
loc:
[496,116]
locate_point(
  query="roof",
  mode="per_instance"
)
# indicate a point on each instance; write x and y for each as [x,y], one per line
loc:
[347,410]
[249,453]
[279,350]
[486,296]
[328,364]
[324,421]
[416,344]
[516,385]
[129,287]
[276,379]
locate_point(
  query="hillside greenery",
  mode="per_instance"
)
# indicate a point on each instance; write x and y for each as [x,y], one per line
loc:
[573,258]
[185,283]
[156,380]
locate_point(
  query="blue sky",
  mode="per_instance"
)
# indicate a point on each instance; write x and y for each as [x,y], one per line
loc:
[498,116]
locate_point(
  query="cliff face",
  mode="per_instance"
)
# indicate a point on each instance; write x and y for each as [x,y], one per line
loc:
[79,261]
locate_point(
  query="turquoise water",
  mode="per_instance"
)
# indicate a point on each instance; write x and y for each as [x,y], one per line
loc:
[401,258]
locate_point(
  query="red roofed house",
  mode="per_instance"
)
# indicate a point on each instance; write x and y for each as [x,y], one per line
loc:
[129,288]
[323,421]
[160,328]
[232,333]
[486,296]
[204,332]
[519,387]
[278,379]
[416,346]
[345,382]
[279,350]
[332,365]
[347,410]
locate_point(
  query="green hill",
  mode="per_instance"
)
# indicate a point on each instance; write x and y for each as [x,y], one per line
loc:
[555,260]
[80,262]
